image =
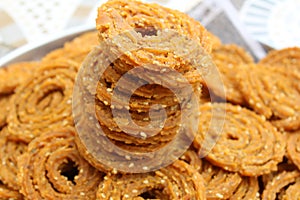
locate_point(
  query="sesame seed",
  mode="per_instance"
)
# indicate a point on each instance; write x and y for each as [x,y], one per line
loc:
[127,157]
[145,181]
[131,165]
[134,191]
[143,135]
[114,171]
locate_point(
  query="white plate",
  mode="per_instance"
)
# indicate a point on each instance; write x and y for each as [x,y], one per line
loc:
[35,51]
[273,22]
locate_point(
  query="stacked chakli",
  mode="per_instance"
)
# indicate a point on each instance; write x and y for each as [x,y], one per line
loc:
[140,80]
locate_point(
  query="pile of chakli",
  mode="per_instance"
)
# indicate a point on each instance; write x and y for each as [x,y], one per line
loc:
[39,158]
[10,78]
[260,136]
[144,67]
[137,46]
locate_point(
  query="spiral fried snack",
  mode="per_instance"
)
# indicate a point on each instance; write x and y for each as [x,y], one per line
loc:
[285,184]
[293,148]
[248,189]
[43,102]
[6,193]
[247,144]
[220,184]
[177,181]
[274,93]
[9,152]
[285,166]
[53,169]
[76,50]
[15,74]
[228,59]
[139,107]
[117,16]
[288,58]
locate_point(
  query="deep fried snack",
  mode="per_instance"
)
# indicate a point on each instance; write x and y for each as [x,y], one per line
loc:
[43,102]
[177,181]
[274,93]
[13,75]
[75,50]
[286,184]
[220,184]
[285,165]
[4,109]
[142,99]
[248,189]
[6,193]
[117,16]
[97,96]
[91,141]
[53,169]
[293,148]
[248,144]
[228,59]
[111,77]
[287,58]
[9,152]
[137,103]
[106,118]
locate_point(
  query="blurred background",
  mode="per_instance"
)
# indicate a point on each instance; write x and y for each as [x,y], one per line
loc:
[257,25]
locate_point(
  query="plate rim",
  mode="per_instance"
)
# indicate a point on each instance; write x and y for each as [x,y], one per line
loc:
[27,52]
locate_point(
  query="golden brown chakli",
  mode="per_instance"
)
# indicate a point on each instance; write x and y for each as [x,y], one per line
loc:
[52,168]
[136,67]
[44,101]
[247,144]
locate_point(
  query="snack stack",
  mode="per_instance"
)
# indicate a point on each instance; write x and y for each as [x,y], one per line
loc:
[134,95]
[146,68]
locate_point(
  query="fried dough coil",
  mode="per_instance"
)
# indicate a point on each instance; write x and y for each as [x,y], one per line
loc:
[43,102]
[53,169]
[247,144]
